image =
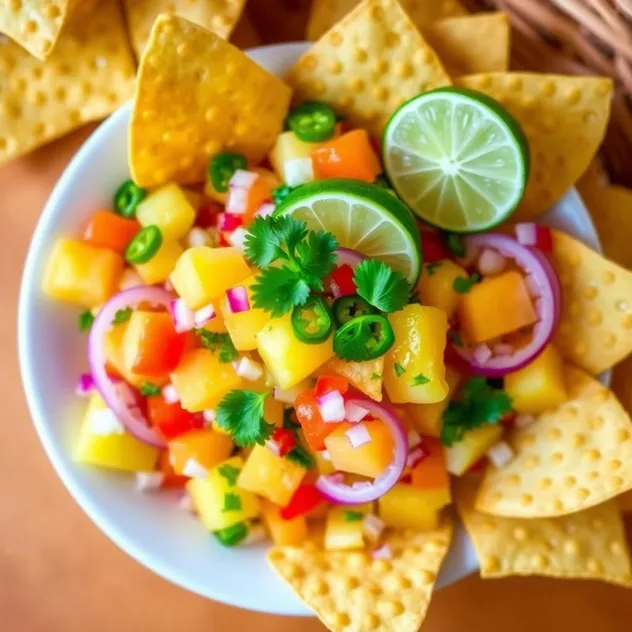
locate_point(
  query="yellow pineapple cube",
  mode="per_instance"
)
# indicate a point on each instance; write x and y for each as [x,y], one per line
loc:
[436,285]
[475,443]
[343,530]
[406,506]
[289,147]
[167,207]
[162,264]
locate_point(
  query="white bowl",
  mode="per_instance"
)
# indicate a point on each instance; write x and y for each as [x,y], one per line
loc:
[151,528]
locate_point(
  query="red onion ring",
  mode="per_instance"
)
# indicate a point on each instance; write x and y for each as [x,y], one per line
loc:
[548,305]
[349,257]
[134,422]
[339,492]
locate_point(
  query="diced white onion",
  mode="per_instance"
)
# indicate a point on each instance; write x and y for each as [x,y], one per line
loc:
[358,435]
[149,481]
[415,456]
[373,527]
[203,315]
[501,454]
[130,278]
[193,469]
[274,446]
[265,210]
[383,552]
[523,421]
[354,413]
[482,353]
[491,262]
[527,234]
[104,422]
[237,201]
[249,369]
[331,406]
[198,237]
[183,317]
[414,439]
[209,416]
[298,171]
[237,238]
[170,394]
[324,454]
[243,179]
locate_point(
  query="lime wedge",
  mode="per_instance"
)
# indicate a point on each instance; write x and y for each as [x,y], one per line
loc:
[457,158]
[362,216]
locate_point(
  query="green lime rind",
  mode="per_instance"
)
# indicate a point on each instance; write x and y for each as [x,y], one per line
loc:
[362,216]
[460,217]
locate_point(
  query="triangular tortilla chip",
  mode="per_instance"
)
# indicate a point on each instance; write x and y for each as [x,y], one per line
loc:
[368,65]
[196,96]
[471,44]
[595,330]
[571,458]
[365,376]
[89,74]
[349,591]
[219,16]
[325,13]
[590,544]
[564,119]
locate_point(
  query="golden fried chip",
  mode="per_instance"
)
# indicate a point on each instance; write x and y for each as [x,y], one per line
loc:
[368,65]
[471,44]
[365,376]
[198,95]
[595,330]
[325,13]
[570,459]
[590,544]
[350,591]
[89,74]
[219,16]
[564,119]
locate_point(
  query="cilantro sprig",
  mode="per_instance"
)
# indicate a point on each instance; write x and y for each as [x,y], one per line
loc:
[480,404]
[300,456]
[303,259]
[381,286]
[462,285]
[221,343]
[241,413]
[149,389]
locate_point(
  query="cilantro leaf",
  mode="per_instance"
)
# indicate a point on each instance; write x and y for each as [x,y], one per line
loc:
[316,256]
[288,421]
[376,376]
[480,404]
[214,341]
[463,286]
[299,455]
[85,321]
[381,286]
[232,502]
[352,516]
[432,267]
[419,380]
[122,316]
[261,245]
[230,473]
[232,536]
[149,389]
[289,231]
[278,290]
[241,413]
[454,243]
[399,369]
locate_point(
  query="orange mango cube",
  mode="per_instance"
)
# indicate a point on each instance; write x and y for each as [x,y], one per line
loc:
[496,306]
[206,448]
[431,472]
[283,532]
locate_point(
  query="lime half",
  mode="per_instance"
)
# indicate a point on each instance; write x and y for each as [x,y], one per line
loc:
[362,216]
[457,158]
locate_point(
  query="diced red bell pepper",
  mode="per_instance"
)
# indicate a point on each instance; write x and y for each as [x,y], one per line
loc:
[305,499]
[328,383]
[341,282]
[207,215]
[308,415]
[227,222]
[284,439]
[108,230]
[171,420]
[433,247]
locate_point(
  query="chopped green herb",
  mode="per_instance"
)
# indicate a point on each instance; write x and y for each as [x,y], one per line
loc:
[230,473]
[299,455]
[480,404]
[85,321]
[232,536]
[432,267]
[122,316]
[232,502]
[218,342]
[455,338]
[399,369]
[454,243]
[353,516]
[381,286]
[149,389]
[241,413]
[419,380]
[376,376]
[288,421]
[463,286]
[281,192]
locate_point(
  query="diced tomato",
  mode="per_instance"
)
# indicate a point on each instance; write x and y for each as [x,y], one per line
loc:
[207,215]
[227,222]
[340,281]
[308,415]
[284,439]
[348,156]
[171,420]
[479,466]
[108,230]
[544,238]
[171,480]
[433,247]
[305,499]
[328,383]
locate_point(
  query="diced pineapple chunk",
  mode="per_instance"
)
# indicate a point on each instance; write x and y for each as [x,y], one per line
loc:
[288,359]
[209,496]
[289,147]
[104,442]
[168,208]
[405,506]
[203,274]
[463,454]
[539,386]
[201,380]
[162,264]
[243,327]
[436,285]
[365,376]
[274,477]
[216,324]
[414,371]
[342,534]
[199,450]
[283,532]
[79,273]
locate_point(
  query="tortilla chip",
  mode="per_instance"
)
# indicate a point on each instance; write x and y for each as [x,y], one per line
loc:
[349,591]
[564,119]
[590,544]
[368,65]
[325,13]
[571,458]
[595,330]
[471,44]
[89,74]
[196,96]
[362,375]
[219,16]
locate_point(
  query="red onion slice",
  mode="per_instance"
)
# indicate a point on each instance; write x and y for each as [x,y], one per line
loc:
[237,298]
[131,418]
[349,257]
[85,385]
[339,492]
